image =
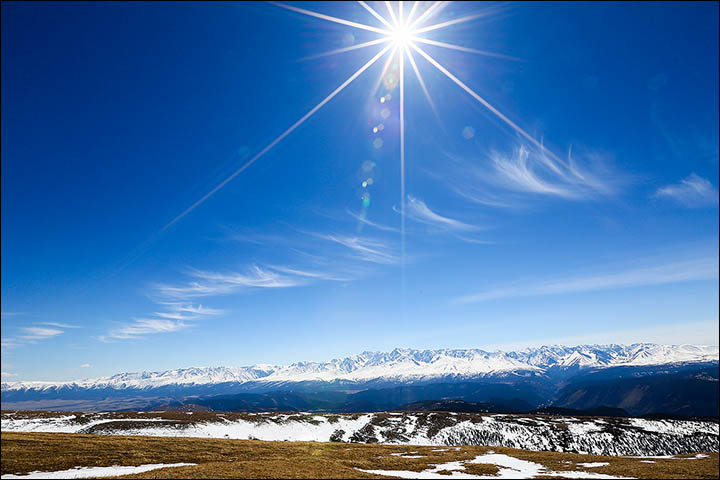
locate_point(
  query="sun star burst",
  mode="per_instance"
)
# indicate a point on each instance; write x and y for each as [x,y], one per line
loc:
[401,33]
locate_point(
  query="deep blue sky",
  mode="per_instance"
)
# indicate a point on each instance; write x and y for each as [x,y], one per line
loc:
[117,117]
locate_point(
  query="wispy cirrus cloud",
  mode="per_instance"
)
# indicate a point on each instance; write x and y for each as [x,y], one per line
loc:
[178,311]
[517,172]
[58,325]
[417,210]
[8,343]
[693,192]
[6,375]
[505,178]
[705,268]
[528,170]
[36,332]
[372,250]
[144,326]
[362,218]
[32,334]
[86,365]
[177,316]
[208,283]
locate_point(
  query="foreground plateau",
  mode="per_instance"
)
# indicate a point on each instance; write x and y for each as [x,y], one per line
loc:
[584,435]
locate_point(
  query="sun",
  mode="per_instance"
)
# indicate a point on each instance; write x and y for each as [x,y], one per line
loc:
[401,35]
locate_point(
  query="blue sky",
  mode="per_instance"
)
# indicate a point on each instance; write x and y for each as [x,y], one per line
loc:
[595,220]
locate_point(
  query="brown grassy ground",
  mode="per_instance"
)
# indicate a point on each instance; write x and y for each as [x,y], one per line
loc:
[221,458]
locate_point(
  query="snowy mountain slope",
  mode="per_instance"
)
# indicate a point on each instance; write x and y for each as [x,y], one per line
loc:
[400,365]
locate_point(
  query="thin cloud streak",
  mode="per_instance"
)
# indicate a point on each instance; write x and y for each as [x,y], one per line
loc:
[693,191]
[36,333]
[39,333]
[515,173]
[179,313]
[178,317]
[680,271]
[363,219]
[216,283]
[59,325]
[417,210]
[366,249]
[511,177]
[143,326]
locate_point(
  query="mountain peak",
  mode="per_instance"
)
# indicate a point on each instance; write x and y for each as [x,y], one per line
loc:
[405,364]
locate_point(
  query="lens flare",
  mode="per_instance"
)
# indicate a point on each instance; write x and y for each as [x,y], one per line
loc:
[400,34]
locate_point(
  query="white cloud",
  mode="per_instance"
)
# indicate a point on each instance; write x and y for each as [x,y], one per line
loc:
[8,375]
[678,271]
[420,212]
[179,314]
[85,365]
[39,333]
[216,283]
[59,325]
[366,249]
[144,326]
[693,191]
[33,334]
[189,308]
[362,218]
[181,311]
[517,173]
[512,176]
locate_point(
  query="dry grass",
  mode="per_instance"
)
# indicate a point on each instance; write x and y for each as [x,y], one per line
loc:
[221,458]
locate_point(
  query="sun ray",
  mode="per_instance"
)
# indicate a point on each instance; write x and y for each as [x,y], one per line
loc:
[384,70]
[348,49]
[426,13]
[412,12]
[450,22]
[331,19]
[402,139]
[402,180]
[422,83]
[277,140]
[375,14]
[494,110]
[461,48]
[392,13]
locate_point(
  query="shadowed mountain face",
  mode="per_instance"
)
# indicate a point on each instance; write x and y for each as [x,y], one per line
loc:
[639,379]
[692,392]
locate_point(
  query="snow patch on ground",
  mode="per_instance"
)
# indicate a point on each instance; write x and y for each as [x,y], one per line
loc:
[508,467]
[683,427]
[593,464]
[92,472]
[562,434]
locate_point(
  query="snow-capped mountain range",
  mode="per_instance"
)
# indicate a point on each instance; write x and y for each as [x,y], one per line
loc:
[403,365]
